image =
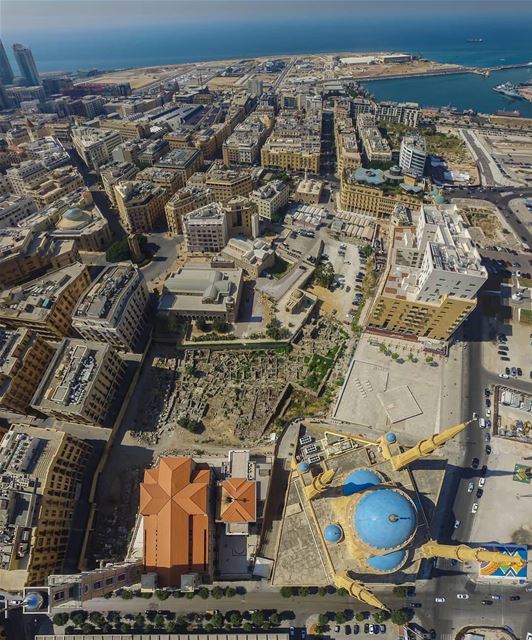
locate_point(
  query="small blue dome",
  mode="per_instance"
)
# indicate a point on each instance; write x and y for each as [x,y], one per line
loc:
[303,467]
[33,601]
[358,480]
[333,533]
[389,562]
[390,437]
[384,519]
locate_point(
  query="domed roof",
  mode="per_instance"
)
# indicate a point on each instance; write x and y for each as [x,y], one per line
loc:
[390,437]
[303,467]
[384,519]
[73,218]
[358,480]
[388,562]
[33,601]
[333,533]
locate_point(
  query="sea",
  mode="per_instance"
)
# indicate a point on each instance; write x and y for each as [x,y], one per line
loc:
[506,40]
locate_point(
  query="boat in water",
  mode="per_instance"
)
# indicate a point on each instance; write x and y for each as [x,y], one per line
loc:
[508,89]
[475,40]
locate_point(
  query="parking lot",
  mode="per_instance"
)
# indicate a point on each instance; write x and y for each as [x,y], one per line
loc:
[512,354]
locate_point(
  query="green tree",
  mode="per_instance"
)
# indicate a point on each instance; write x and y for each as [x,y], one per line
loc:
[230,592]
[208,627]
[113,616]
[378,616]
[287,592]
[383,348]
[323,619]
[319,629]
[399,616]
[126,594]
[219,325]
[360,616]
[247,626]
[217,592]
[201,324]
[217,621]
[401,591]
[125,627]
[304,591]
[203,593]
[78,617]
[340,617]
[322,591]
[258,618]
[276,331]
[366,251]
[118,251]
[87,628]
[161,594]
[158,621]
[70,630]
[139,620]
[429,359]
[324,274]
[190,425]
[181,621]
[275,619]
[342,592]
[395,356]
[235,619]
[60,619]
[96,618]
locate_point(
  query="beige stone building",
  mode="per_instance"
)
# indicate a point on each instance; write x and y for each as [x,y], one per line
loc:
[41,471]
[115,172]
[433,277]
[224,184]
[113,308]
[206,229]
[24,357]
[243,146]
[184,162]
[140,205]
[309,191]
[253,256]
[57,184]
[14,209]
[80,382]
[240,211]
[168,179]
[95,146]
[45,304]
[375,146]
[184,201]
[271,198]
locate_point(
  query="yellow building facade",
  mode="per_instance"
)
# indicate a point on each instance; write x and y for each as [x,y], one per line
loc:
[371,201]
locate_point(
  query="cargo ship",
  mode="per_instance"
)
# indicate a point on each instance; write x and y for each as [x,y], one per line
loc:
[475,40]
[508,89]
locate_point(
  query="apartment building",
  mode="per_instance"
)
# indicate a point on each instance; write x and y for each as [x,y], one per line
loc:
[80,382]
[295,142]
[358,195]
[26,175]
[14,208]
[206,229]
[184,162]
[413,156]
[184,201]
[224,184]
[95,146]
[115,172]
[271,198]
[243,146]
[406,113]
[151,151]
[57,184]
[24,253]
[45,304]
[346,144]
[40,470]
[376,147]
[140,205]
[168,179]
[239,212]
[113,308]
[24,357]
[47,150]
[434,275]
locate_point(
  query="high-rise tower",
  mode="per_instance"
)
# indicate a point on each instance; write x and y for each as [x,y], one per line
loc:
[26,64]
[6,72]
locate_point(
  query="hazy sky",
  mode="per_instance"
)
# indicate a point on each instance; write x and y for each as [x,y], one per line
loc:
[20,16]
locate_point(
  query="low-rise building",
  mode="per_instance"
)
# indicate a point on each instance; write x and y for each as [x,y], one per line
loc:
[25,253]
[24,357]
[184,201]
[140,205]
[197,290]
[14,208]
[57,184]
[243,146]
[80,382]
[26,175]
[185,162]
[95,146]
[178,520]
[45,304]
[253,256]
[41,471]
[113,308]
[169,179]
[271,198]
[433,278]
[76,218]
[205,229]
[115,172]
[309,191]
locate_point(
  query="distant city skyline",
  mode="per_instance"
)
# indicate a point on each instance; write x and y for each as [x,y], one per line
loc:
[57,15]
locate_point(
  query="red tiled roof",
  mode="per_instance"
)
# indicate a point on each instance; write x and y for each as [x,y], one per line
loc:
[238,501]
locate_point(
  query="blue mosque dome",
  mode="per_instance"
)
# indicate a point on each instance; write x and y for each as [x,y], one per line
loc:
[384,519]
[358,480]
[303,467]
[390,437]
[33,601]
[333,533]
[388,562]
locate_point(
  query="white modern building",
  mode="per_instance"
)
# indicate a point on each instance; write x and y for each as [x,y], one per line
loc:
[205,229]
[413,155]
[270,198]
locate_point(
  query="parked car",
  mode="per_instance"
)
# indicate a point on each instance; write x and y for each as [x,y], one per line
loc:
[484,469]
[474,463]
[482,482]
[487,602]
[456,524]
[462,596]
[474,508]
[488,449]
[439,599]
[514,598]
[479,493]
[470,487]
[356,629]
[519,371]
[495,596]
